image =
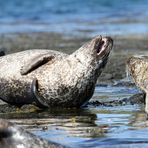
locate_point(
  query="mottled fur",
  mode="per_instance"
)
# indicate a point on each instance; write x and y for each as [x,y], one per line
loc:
[66,80]
[138,69]
[14,87]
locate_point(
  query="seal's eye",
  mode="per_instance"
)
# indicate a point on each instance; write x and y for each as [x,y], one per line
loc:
[99,46]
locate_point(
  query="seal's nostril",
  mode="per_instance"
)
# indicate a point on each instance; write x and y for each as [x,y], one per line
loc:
[102,42]
[110,39]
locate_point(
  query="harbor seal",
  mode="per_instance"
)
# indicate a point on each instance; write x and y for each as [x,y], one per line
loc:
[12,136]
[49,78]
[138,69]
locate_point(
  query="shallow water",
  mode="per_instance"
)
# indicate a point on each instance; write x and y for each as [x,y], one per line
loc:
[91,126]
[74,17]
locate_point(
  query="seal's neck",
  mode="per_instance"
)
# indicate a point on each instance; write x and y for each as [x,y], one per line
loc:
[84,56]
[85,64]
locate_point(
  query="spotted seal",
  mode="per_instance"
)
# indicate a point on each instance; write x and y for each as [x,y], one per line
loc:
[12,136]
[49,78]
[138,69]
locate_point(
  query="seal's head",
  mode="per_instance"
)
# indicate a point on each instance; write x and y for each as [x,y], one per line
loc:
[138,70]
[82,68]
[95,52]
[100,46]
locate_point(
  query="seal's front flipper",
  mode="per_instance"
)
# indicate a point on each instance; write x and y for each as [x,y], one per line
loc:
[38,100]
[36,62]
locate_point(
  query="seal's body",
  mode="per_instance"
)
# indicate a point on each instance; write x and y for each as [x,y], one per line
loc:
[51,78]
[138,69]
[12,136]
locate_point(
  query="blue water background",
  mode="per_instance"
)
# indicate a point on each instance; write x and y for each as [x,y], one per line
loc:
[75,17]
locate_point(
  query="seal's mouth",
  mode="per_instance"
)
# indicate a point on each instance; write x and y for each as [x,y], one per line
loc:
[99,45]
[103,45]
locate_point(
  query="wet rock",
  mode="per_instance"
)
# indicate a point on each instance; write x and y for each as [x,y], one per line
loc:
[124,83]
[44,128]
[135,99]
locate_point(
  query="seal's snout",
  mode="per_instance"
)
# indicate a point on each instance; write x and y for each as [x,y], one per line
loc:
[103,45]
[110,40]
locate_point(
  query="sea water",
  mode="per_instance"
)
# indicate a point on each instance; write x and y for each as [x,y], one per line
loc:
[75,17]
[91,126]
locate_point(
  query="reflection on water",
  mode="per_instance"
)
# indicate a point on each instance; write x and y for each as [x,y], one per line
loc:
[90,126]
